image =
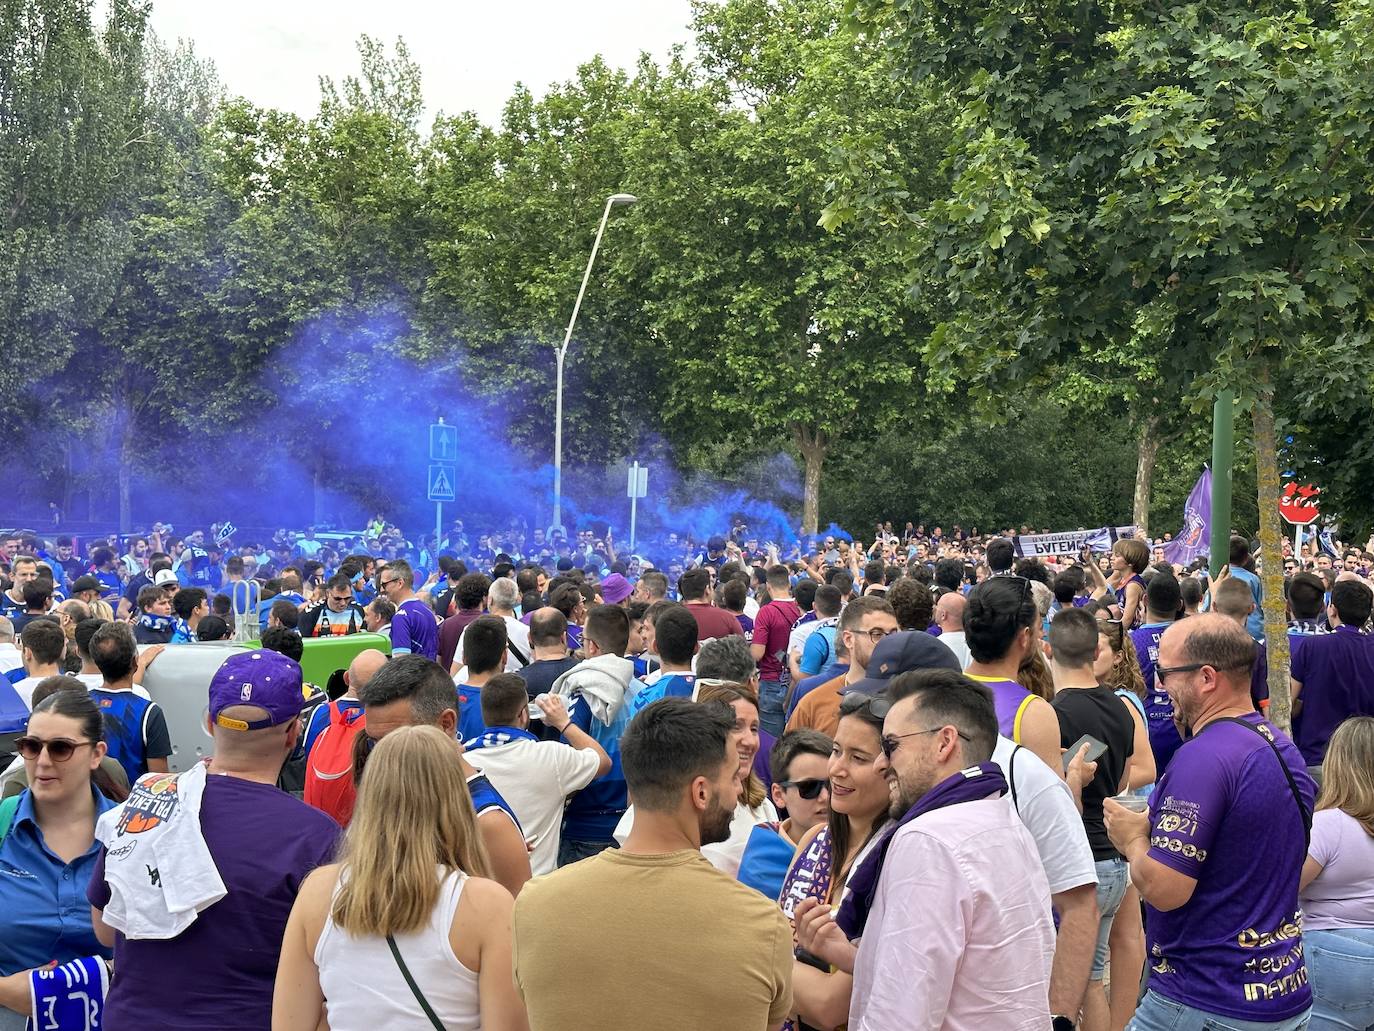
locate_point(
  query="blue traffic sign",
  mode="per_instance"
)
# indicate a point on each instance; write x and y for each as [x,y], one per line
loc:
[442,480]
[443,443]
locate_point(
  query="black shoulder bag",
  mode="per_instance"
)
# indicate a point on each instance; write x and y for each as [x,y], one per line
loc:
[1287,773]
[414,988]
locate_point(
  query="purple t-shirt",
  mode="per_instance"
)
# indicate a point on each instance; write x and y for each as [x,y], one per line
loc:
[1159,709]
[219,972]
[1235,947]
[1146,640]
[1009,699]
[1336,672]
[414,630]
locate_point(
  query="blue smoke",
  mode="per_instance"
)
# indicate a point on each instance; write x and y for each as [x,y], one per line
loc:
[348,396]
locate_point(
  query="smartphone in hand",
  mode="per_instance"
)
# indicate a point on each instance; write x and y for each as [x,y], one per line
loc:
[1095,750]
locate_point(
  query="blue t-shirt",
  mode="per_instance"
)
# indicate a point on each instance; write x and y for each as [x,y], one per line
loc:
[414,630]
[136,584]
[9,608]
[670,685]
[470,722]
[135,729]
[43,910]
[485,798]
[819,650]
[1254,623]
[110,585]
[594,811]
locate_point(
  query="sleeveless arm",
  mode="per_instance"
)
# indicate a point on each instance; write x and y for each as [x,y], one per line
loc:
[297,999]
[490,908]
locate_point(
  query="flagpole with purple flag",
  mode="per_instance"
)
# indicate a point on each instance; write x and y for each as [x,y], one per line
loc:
[1193,540]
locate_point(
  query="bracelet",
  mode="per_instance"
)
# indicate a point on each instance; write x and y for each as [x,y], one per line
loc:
[564,729]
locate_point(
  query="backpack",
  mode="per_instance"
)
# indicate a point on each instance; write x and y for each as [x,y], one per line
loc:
[8,808]
[329,783]
[291,779]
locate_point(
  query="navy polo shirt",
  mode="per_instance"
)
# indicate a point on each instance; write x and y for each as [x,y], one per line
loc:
[1336,672]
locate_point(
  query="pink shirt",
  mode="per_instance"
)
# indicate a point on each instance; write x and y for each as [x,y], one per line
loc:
[960,937]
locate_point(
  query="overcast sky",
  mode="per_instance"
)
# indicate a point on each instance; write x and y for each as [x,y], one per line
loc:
[470,54]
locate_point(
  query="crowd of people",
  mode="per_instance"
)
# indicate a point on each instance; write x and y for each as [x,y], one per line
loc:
[919,783]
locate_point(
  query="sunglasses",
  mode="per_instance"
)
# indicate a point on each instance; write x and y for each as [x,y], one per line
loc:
[891,742]
[809,789]
[59,749]
[877,707]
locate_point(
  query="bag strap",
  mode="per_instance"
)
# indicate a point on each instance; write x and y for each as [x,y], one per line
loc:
[1287,773]
[8,808]
[1011,778]
[517,652]
[414,988]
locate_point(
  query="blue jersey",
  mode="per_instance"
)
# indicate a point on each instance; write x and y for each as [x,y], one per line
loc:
[110,585]
[670,685]
[486,798]
[594,811]
[470,722]
[135,729]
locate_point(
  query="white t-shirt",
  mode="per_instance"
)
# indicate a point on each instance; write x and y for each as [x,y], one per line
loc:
[518,634]
[536,778]
[25,687]
[1043,801]
[954,639]
[10,658]
[796,640]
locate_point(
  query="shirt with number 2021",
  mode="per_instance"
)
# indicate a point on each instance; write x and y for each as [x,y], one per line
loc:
[1223,813]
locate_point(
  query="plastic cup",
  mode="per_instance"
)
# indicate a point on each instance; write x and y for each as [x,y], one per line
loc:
[1132,802]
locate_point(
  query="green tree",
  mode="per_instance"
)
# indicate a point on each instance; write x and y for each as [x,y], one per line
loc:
[71,143]
[1212,160]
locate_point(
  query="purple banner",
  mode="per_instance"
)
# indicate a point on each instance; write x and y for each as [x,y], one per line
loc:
[1193,541]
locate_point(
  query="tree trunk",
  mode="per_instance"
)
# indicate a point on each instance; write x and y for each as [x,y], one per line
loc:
[813,444]
[1271,549]
[124,435]
[317,493]
[1147,451]
[126,464]
[67,492]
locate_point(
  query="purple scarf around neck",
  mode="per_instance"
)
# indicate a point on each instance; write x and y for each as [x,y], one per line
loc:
[970,785]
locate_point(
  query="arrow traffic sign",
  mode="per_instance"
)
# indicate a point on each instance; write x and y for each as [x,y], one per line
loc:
[443,443]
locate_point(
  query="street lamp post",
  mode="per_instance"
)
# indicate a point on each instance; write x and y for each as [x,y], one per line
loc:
[611,201]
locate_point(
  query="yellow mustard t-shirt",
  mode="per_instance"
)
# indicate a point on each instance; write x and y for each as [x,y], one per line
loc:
[623,942]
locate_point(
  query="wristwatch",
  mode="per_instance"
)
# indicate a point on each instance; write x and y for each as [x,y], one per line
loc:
[1062,1023]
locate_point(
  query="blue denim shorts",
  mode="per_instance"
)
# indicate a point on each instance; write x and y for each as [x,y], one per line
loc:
[1112,880]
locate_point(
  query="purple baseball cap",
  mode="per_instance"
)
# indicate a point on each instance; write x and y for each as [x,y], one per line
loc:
[263,679]
[615,589]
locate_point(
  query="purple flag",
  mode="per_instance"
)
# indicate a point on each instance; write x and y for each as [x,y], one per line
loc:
[1193,540]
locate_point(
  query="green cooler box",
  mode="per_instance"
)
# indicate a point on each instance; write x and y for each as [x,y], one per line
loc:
[325,655]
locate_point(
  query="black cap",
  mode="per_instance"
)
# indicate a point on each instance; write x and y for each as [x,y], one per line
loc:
[902,653]
[716,543]
[86,583]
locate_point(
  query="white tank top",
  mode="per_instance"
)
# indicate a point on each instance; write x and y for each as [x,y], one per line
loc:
[364,989]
